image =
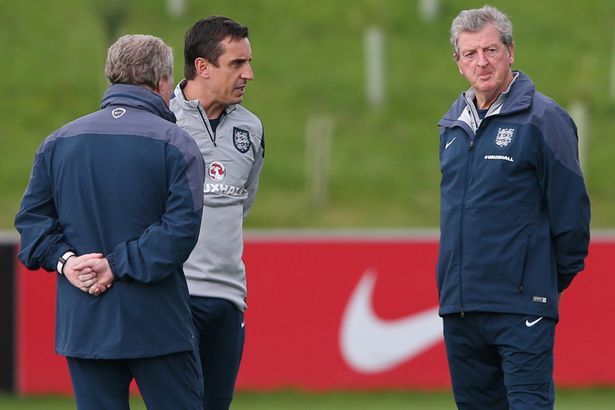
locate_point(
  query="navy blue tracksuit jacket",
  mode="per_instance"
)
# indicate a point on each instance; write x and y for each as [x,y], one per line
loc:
[127,182]
[514,209]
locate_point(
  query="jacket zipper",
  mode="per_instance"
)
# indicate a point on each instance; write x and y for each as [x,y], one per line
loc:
[461,225]
[463,203]
[212,134]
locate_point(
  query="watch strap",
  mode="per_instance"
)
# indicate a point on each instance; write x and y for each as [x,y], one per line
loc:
[62,261]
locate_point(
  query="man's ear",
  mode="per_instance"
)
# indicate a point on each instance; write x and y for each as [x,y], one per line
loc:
[456,58]
[201,67]
[160,86]
[511,54]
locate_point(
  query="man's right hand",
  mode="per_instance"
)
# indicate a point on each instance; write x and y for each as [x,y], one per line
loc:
[95,275]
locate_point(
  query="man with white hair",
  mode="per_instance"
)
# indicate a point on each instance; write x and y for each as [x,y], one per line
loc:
[514,222]
[114,206]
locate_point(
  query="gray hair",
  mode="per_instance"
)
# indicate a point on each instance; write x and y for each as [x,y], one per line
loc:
[139,59]
[474,20]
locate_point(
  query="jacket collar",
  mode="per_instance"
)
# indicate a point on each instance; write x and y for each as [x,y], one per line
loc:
[192,105]
[137,96]
[517,97]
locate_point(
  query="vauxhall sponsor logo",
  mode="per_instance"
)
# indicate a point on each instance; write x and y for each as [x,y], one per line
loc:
[225,189]
[216,171]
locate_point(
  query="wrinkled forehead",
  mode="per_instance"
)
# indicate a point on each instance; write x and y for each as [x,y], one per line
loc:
[487,36]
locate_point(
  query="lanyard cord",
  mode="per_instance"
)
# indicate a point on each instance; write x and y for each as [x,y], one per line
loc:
[212,136]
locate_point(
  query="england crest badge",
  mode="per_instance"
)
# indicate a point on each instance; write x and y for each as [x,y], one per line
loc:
[241,140]
[504,137]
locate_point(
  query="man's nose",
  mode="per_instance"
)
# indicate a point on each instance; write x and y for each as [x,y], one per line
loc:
[481,59]
[247,73]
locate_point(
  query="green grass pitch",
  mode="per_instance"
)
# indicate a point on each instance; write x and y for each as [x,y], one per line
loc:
[566,399]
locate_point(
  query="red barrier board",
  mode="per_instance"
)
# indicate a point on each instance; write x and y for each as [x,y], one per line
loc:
[38,368]
[346,313]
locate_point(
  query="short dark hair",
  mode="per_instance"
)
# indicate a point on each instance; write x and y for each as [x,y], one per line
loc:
[203,40]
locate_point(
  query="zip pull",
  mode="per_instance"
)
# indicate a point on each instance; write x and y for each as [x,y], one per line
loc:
[471,145]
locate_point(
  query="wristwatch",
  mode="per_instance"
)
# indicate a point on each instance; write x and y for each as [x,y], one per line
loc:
[62,261]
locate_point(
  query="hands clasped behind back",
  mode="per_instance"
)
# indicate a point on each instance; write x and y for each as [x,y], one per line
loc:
[90,273]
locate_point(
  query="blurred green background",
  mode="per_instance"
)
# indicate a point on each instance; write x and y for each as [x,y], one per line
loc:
[309,64]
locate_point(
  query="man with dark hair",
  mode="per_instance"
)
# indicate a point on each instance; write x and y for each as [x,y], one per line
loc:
[514,222]
[115,198]
[207,104]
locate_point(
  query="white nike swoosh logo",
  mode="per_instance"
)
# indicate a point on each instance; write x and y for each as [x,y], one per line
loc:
[532,323]
[371,345]
[449,143]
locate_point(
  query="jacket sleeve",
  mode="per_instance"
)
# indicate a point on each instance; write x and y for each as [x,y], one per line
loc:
[565,195]
[253,178]
[42,240]
[164,246]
